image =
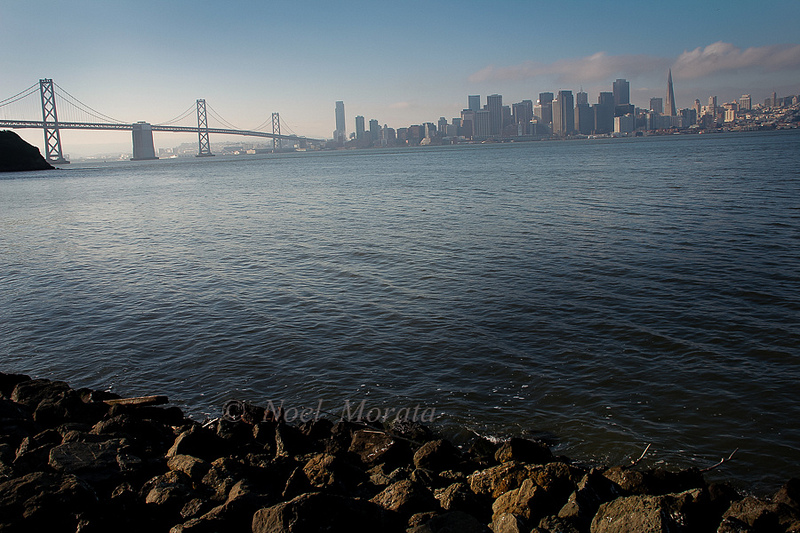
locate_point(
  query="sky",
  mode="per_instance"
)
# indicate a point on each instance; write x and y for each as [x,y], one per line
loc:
[400,62]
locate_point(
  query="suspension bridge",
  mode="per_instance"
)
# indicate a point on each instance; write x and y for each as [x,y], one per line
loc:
[55,99]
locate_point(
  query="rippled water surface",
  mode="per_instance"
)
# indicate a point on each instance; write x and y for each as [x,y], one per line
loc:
[606,294]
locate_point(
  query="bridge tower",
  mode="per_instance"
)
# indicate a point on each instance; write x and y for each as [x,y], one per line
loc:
[52,137]
[202,130]
[276,130]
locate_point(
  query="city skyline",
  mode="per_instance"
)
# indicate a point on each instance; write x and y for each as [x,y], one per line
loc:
[387,63]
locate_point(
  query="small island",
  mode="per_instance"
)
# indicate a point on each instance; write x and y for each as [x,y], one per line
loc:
[16,155]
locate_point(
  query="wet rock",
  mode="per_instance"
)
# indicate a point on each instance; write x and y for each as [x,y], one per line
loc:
[68,407]
[452,522]
[412,431]
[627,481]
[644,514]
[376,447]
[750,514]
[9,381]
[315,512]
[167,494]
[198,442]
[523,450]
[317,430]
[193,467]
[499,479]
[789,494]
[437,455]
[482,451]
[94,461]
[32,392]
[406,498]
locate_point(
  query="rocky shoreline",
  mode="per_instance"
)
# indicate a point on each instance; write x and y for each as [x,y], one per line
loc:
[17,155]
[85,460]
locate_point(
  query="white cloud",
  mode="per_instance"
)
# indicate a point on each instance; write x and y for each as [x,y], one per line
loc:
[724,57]
[698,63]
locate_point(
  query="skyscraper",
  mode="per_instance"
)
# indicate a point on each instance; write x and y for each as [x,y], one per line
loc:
[670,108]
[341,129]
[494,104]
[745,102]
[656,105]
[474,102]
[360,129]
[545,104]
[563,113]
[622,92]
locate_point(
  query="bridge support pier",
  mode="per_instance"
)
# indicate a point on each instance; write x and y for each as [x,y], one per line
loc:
[143,148]
[204,146]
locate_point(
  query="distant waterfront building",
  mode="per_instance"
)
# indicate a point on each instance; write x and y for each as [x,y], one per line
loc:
[483,126]
[563,114]
[774,99]
[584,118]
[671,109]
[603,113]
[360,130]
[745,102]
[374,130]
[581,98]
[545,106]
[622,92]
[624,124]
[523,112]
[656,105]
[474,102]
[698,109]
[468,123]
[494,104]
[712,106]
[340,134]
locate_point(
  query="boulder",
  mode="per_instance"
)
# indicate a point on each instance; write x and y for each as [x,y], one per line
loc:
[437,455]
[520,502]
[452,522]
[645,514]
[193,467]
[459,497]
[325,470]
[499,479]
[375,447]
[198,442]
[523,450]
[315,512]
[406,498]
[16,155]
[592,490]
[508,523]
[32,392]
[43,501]
[9,381]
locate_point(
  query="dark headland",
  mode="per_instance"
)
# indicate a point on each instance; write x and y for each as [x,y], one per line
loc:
[17,155]
[88,461]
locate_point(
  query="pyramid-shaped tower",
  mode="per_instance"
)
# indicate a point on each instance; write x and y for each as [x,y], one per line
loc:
[670,108]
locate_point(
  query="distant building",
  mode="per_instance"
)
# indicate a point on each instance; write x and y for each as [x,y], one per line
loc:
[494,104]
[483,126]
[657,105]
[340,135]
[563,114]
[360,129]
[712,106]
[581,98]
[622,92]
[671,109]
[745,102]
[545,108]
[374,130]
[474,102]
[625,124]
[584,118]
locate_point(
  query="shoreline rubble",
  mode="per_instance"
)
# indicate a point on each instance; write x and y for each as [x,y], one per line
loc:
[81,460]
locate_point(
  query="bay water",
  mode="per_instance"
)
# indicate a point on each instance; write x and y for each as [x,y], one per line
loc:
[601,294]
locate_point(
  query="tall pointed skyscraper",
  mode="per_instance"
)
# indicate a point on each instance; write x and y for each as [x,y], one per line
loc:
[670,108]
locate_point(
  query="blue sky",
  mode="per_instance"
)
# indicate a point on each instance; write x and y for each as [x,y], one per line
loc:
[398,62]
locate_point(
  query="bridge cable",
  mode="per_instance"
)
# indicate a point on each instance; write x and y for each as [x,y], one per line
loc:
[220,119]
[77,103]
[11,99]
[180,117]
